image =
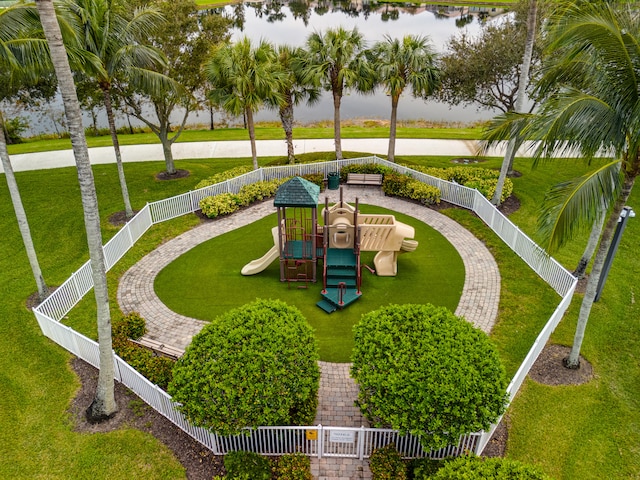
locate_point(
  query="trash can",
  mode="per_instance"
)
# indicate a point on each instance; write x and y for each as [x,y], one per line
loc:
[333,180]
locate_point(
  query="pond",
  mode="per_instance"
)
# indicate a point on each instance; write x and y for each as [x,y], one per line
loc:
[292,22]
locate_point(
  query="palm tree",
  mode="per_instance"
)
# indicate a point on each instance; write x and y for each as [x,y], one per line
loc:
[336,60]
[590,104]
[104,404]
[105,31]
[512,146]
[294,89]
[402,64]
[243,77]
[22,57]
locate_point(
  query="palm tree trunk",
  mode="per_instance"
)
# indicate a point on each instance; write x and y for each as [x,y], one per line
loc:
[336,125]
[116,147]
[573,360]
[21,216]
[104,404]
[592,244]
[507,162]
[286,117]
[391,154]
[252,137]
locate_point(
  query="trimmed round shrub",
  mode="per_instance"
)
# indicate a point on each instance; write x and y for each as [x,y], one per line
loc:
[424,371]
[464,468]
[254,365]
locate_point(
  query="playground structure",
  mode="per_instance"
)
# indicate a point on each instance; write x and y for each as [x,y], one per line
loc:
[299,242]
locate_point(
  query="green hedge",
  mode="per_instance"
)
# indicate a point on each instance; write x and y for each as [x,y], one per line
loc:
[157,369]
[400,185]
[482,179]
[471,468]
[222,176]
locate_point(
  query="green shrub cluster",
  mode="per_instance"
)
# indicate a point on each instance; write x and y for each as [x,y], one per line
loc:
[363,168]
[131,326]
[441,378]
[295,466]
[482,179]
[315,178]
[464,468]
[217,205]
[400,185]
[386,464]
[222,176]
[157,369]
[243,465]
[255,365]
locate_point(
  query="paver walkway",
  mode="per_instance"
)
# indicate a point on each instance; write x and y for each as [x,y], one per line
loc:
[478,304]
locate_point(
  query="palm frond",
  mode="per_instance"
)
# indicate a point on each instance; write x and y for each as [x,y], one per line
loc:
[572,207]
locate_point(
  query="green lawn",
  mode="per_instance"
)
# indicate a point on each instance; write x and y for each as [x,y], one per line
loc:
[206,281]
[263,132]
[585,432]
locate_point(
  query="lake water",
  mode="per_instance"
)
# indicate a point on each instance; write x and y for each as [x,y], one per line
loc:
[292,23]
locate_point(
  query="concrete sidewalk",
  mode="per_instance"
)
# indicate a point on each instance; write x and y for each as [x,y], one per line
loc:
[241,148]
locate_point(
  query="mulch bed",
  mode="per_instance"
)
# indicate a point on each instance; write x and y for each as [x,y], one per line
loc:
[179,174]
[198,461]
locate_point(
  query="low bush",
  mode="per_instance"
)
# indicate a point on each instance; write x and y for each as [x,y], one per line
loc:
[423,468]
[482,179]
[222,176]
[315,178]
[256,192]
[242,465]
[295,466]
[156,369]
[131,326]
[400,185]
[464,468]
[222,204]
[386,464]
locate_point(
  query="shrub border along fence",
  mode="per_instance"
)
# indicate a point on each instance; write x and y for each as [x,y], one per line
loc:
[317,440]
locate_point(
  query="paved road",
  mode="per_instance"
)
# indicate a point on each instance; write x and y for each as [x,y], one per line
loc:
[241,148]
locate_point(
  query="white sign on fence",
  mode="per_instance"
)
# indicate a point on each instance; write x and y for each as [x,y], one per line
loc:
[342,436]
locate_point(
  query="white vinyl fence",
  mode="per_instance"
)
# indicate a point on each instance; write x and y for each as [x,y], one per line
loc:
[312,440]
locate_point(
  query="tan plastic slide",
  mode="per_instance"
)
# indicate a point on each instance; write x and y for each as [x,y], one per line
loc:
[258,265]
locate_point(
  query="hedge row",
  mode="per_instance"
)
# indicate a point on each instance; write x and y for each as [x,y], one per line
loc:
[249,465]
[386,464]
[227,203]
[157,369]
[222,176]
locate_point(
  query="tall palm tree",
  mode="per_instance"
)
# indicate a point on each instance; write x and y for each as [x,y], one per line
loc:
[103,405]
[402,64]
[22,57]
[512,146]
[243,78]
[294,88]
[115,39]
[591,104]
[336,60]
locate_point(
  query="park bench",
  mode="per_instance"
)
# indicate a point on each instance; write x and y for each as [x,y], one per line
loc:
[159,348]
[364,179]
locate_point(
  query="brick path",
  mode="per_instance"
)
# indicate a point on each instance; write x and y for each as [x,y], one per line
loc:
[478,304]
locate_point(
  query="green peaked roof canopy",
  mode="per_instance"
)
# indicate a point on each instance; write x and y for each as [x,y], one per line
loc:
[297,192]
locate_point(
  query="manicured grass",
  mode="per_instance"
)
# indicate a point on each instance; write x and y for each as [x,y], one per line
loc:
[265,132]
[206,281]
[589,431]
